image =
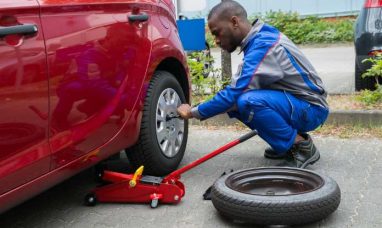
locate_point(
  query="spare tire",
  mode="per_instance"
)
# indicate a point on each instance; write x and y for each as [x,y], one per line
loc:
[275,196]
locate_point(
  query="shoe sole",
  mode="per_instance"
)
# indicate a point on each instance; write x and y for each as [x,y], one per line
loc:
[311,160]
[274,156]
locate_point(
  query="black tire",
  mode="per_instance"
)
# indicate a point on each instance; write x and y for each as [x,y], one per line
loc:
[363,83]
[275,196]
[149,151]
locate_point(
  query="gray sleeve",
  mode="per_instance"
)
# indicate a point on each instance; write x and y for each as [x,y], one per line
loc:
[195,113]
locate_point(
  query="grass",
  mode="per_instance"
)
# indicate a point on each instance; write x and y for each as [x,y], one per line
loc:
[350,131]
[350,102]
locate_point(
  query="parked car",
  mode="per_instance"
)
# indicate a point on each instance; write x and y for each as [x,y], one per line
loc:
[367,40]
[81,80]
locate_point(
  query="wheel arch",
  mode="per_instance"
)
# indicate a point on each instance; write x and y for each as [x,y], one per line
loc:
[176,68]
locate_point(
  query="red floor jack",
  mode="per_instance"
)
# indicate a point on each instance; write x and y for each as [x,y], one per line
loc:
[138,188]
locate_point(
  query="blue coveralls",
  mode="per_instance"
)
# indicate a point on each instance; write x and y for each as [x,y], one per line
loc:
[275,91]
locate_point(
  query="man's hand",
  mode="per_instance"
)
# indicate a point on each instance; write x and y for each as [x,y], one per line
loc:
[184,111]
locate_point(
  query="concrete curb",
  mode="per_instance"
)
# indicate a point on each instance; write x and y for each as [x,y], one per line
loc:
[364,118]
[352,117]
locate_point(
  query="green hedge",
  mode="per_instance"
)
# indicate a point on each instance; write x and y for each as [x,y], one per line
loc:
[309,30]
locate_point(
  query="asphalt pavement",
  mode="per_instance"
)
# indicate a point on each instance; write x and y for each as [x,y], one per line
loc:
[355,164]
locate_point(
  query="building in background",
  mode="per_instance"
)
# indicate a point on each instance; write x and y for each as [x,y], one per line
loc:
[320,8]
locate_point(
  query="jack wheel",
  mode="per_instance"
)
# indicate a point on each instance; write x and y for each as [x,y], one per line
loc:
[90,200]
[154,203]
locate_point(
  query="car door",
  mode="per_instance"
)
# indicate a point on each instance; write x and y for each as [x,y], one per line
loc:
[98,53]
[24,149]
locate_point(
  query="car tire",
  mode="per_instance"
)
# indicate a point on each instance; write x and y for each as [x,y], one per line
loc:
[275,196]
[161,143]
[363,83]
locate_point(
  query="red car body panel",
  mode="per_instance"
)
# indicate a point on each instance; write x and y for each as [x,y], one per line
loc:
[79,85]
[24,149]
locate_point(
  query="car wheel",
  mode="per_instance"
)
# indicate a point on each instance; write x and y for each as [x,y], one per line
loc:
[162,140]
[363,83]
[275,196]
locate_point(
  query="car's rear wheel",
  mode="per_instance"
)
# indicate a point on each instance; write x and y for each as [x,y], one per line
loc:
[363,83]
[162,139]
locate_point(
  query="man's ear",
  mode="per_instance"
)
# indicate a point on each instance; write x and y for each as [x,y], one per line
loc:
[235,21]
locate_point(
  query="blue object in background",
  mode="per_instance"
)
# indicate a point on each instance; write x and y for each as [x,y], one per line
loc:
[192,34]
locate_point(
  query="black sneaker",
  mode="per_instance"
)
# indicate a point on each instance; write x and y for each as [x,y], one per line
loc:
[272,154]
[302,154]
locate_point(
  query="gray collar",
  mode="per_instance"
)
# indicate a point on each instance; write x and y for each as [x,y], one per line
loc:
[256,26]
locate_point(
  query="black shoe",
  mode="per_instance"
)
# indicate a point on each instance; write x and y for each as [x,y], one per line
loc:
[272,154]
[302,154]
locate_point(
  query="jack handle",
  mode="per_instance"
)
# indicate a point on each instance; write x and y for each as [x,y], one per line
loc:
[176,174]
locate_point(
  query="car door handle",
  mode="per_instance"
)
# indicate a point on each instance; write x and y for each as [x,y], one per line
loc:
[25,29]
[138,17]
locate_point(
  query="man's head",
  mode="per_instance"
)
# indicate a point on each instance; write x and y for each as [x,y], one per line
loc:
[229,25]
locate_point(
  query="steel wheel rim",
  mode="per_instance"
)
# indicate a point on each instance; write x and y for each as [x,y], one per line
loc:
[169,133]
[274,182]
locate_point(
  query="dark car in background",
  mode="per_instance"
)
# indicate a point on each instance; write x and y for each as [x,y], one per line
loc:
[82,80]
[367,40]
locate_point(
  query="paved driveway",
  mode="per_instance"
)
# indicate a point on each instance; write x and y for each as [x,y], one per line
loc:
[355,164]
[334,63]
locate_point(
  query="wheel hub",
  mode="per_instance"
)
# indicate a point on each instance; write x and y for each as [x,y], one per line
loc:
[169,130]
[274,182]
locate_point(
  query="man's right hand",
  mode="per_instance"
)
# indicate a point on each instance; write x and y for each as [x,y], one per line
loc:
[184,111]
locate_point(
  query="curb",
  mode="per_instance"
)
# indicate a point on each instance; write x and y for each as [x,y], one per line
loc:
[365,118]
[340,117]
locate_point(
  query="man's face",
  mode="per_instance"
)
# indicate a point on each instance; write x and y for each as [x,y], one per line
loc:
[225,35]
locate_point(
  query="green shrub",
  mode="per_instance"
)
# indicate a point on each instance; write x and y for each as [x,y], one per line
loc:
[200,80]
[372,97]
[210,39]
[310,29]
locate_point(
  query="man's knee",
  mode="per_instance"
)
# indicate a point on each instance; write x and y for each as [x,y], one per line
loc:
[242,102]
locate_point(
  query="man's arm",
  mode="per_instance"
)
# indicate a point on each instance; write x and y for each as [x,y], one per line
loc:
[225,99]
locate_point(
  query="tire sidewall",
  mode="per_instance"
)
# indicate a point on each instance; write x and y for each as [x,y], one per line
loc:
[329,186]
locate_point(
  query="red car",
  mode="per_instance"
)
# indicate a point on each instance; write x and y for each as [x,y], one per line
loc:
[81,80]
